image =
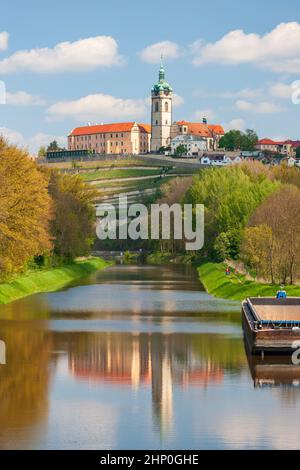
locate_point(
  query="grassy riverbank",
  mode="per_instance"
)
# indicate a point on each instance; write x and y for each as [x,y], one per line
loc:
[48,280]
[235,286]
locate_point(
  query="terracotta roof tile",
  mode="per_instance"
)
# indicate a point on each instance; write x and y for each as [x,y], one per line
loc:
[103,128]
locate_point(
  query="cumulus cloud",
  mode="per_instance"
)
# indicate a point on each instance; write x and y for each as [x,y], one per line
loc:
[277,50]
[281,90]
[4,36]
[13,136]
[98,107]
[265,107]
[236,124]
[32,143]
[152,54]
[207,113]
[22,98]
[82,55]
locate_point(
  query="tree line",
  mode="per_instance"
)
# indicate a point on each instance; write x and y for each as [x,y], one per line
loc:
[46,218]
[252,214]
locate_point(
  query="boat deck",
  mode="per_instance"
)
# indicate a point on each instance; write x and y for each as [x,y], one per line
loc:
[275,310]
[271,325]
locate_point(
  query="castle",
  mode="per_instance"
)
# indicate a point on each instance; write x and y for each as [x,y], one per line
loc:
[134,138]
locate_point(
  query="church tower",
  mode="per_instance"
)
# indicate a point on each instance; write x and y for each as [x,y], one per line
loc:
[161,112]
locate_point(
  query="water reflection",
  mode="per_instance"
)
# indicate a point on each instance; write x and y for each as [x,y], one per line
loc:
[85,373]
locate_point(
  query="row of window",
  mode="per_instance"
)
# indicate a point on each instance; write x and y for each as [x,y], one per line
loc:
[156,107]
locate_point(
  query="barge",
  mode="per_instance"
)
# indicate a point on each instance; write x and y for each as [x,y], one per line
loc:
[271,325]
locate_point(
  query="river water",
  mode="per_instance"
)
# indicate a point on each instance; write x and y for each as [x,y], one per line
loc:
[139,357]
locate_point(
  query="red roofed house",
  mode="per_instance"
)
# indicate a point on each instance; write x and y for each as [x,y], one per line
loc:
[286,147]
[120,138]
[212,133]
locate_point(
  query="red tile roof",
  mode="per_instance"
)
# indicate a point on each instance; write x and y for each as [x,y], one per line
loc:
[108,128]
[216,128]
[267,141]
[145,128]
[201,129]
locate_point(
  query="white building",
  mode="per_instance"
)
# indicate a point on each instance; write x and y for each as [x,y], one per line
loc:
[195,146]
[220,160]
[161,113]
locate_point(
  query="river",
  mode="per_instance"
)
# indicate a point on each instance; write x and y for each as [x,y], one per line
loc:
[139,357]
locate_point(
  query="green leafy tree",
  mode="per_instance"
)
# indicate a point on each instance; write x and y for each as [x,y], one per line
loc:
[42,152]
[237,140]
[73,223]
[53,146]
[298,152]
[229,196]
[180,150]
[24,212]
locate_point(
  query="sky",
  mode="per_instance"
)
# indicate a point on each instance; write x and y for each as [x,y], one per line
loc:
[66,63]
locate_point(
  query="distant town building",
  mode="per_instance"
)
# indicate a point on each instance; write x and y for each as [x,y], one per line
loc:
[220,159]
[211,133]
[161,112]
[286,147]
[120,138]
[195,146]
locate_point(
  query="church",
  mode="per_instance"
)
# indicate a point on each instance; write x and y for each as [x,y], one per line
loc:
[132,138]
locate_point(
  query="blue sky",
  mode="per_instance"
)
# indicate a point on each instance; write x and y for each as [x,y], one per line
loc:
[65,63]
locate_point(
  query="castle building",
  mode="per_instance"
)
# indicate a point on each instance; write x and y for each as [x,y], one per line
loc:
[120,138]
[211,133]
[161,112]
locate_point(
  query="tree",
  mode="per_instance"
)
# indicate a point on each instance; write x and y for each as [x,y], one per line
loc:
[279,216]
[259,250]
[298,152]
[180,150]
[42,152]
[53,146]
[230,196]
[237,140]
[73,224]
[24,211]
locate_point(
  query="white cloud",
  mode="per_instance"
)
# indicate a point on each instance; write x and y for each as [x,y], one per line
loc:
[152,54]
[281,90]
[32,143]
[248,93]
[13,136]
[207,113]
[236,124]
[265,107]
[82,55]
[4,36]
[98,107]
[22,98]
[177,100]
[277,50]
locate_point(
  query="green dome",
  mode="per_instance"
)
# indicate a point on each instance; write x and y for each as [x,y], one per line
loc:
[162,85]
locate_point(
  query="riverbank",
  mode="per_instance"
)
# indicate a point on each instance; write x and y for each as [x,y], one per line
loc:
[48,280]
[235,286]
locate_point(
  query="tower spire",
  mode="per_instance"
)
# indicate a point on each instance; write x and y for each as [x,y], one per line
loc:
[161,70]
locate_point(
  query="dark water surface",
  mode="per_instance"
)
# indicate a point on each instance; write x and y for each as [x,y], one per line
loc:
[139,357]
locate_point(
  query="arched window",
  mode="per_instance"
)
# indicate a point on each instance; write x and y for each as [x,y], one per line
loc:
[156,107]
[166,106]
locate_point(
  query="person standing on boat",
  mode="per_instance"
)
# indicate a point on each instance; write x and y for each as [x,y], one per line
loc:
[281,294]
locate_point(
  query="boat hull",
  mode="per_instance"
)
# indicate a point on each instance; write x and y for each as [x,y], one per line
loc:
[261,337]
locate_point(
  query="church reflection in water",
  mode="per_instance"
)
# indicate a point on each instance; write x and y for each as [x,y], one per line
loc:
[155,360]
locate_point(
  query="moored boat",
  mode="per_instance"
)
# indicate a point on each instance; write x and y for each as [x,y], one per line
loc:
[271,325]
